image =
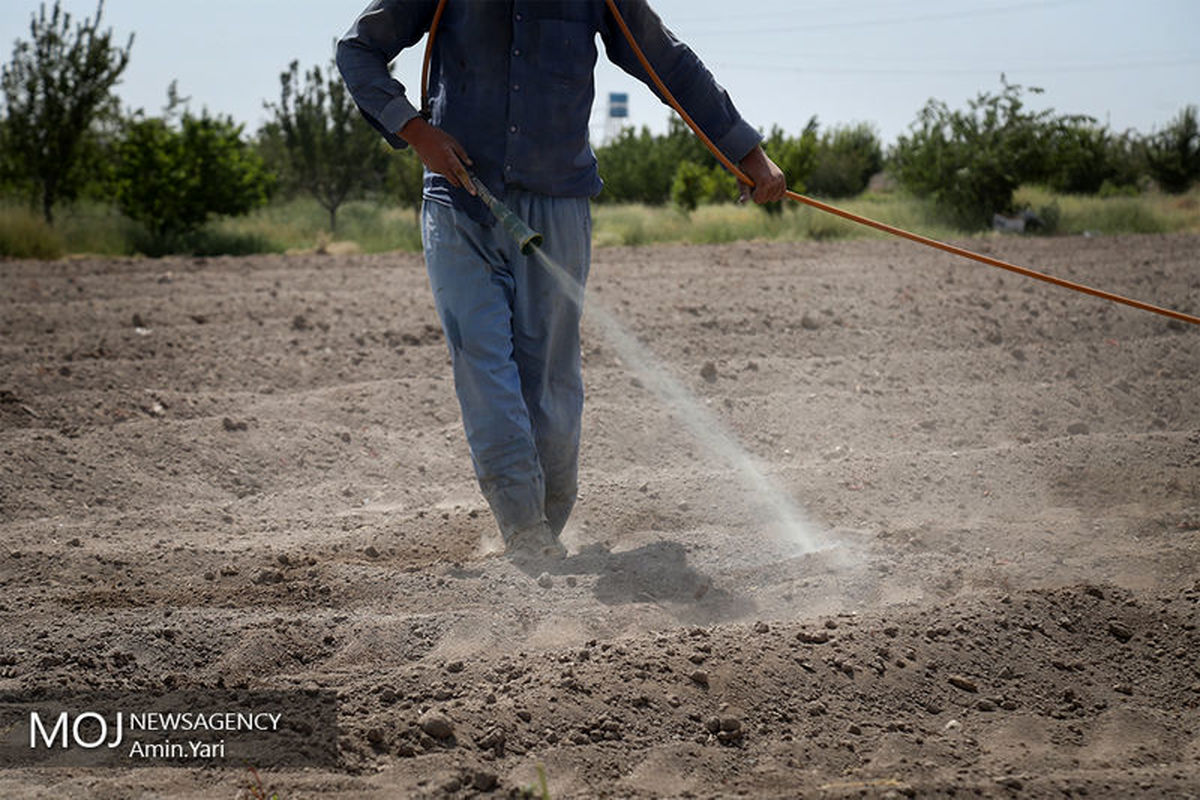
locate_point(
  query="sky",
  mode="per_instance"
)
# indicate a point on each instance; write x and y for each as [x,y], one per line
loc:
[1129,65]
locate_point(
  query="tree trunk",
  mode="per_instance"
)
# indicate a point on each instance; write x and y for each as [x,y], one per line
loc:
[332,220]
[48,204]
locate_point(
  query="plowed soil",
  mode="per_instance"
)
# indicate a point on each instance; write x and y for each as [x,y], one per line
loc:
[252,471]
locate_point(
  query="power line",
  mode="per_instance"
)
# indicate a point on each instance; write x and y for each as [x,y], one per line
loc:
[821,69]
[933,58]
[1039,5]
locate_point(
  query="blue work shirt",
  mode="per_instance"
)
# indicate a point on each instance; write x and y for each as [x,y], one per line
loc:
[512,81]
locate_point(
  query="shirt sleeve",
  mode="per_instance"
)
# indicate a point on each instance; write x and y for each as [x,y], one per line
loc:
[378,35]
[682,72]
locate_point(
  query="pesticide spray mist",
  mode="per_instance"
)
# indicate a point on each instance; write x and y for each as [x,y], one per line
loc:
[792,525]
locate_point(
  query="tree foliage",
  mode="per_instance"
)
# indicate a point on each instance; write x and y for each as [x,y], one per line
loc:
[971,161]
[1173,154]
[330,152]
[1082,157]
[173,176]
[639,167]
[693,185]
[846,157]
[795,155]
[406,179]
[54,88]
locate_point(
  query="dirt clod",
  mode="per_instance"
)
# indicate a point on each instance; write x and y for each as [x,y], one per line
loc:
[436,724]
[485,781]
[963,682]
[1120,631]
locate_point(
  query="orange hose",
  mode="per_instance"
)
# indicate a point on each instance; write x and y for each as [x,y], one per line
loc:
[881,226]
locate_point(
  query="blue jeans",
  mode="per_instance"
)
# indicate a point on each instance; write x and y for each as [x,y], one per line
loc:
[513,334]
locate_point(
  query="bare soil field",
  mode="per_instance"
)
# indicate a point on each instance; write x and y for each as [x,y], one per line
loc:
[251,472]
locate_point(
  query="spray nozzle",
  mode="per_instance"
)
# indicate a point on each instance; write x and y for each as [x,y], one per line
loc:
[526,237]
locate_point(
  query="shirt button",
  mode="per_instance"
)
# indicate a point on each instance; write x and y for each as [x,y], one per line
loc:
[520,16]
[516,52]
[516,87]
[512,128]
[508,167]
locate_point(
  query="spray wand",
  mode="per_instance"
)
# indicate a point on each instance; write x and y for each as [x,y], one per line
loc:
[526,237]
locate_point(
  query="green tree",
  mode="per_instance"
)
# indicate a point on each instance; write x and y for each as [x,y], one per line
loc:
[55,87]
[846,157]
[331,153]
[639,167]
[795,155]
[687,188]
[1173,154]
[406,179]
[175,176]
[1079,162]
[971,161]
[625,166]
[693,185]
[1085,158]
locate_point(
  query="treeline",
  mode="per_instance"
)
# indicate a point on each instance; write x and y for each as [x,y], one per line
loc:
[639,167]
[63,137]
[968,162]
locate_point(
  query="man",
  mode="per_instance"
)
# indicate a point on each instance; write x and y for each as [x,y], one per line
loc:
[511,92]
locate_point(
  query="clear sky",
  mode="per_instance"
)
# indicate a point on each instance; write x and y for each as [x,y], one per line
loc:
[1131,64]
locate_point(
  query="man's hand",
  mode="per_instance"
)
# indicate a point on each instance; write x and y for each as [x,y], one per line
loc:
[439,151]
[769,182]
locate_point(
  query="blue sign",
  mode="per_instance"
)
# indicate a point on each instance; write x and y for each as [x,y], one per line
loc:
[618,105]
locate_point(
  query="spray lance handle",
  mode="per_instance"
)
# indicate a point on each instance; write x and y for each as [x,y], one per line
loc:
[525,237]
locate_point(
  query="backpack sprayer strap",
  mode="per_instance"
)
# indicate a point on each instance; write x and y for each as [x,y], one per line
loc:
[426,112]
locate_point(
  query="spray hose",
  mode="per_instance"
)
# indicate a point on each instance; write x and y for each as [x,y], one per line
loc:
[962,252]
[881,226]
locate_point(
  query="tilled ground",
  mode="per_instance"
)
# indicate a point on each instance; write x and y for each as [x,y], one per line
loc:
[251,471]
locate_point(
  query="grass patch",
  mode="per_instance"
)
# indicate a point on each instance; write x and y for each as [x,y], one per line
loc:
[91,226]
[301,224]
[97,228]
[209,241]
[1152,212]
[633,225]
[24,234]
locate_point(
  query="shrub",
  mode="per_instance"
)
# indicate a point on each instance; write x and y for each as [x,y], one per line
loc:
[846,158]
[1049,216]
[173,180]
[969,162]
[694,184]
[687,186]
[1083,158]
[639,167]
[1173,155]
[795,155]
